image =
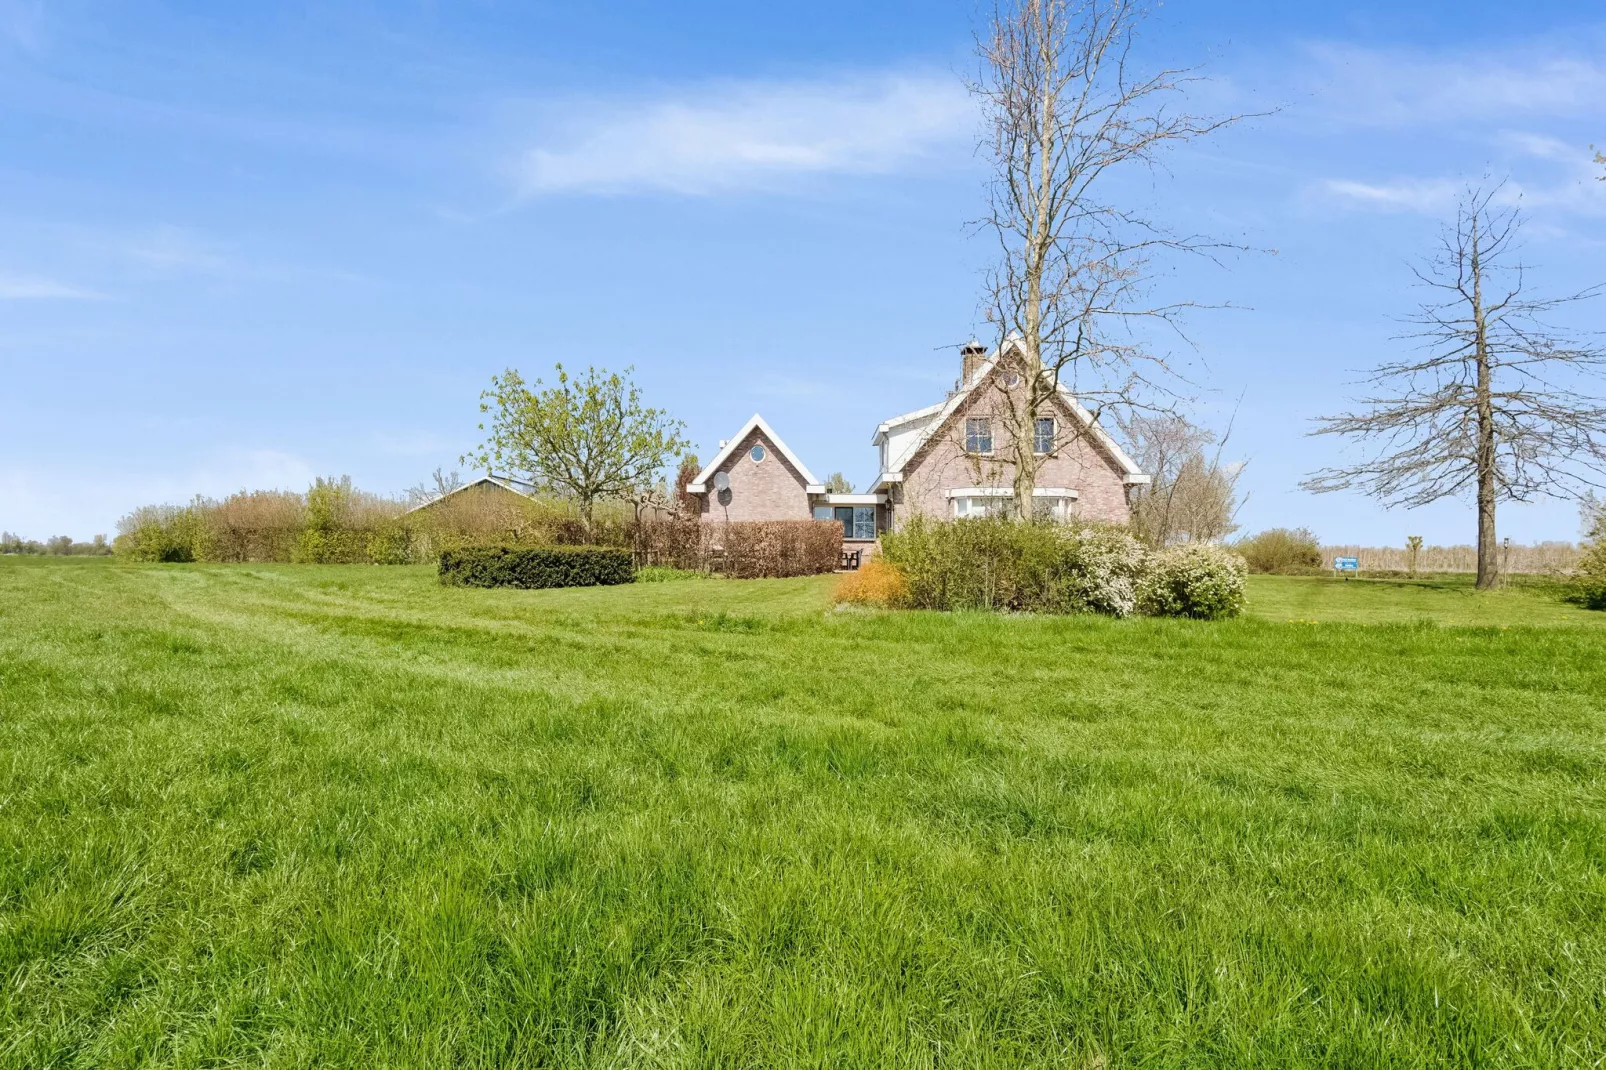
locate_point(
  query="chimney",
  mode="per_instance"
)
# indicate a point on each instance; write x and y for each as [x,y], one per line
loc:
[971,355]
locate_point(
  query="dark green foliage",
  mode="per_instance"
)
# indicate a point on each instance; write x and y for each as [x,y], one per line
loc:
[536,566]
[1282,551]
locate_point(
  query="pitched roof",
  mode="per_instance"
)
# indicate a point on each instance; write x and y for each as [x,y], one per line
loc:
[517,486]
[700,484]
[1129,467]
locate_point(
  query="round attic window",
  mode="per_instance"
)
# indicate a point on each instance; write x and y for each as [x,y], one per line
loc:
[757,453]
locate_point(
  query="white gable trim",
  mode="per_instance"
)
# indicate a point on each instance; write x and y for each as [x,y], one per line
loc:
[519,487]
[1131,473]
[700,484]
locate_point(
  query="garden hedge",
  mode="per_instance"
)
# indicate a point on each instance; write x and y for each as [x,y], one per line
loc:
[536,566]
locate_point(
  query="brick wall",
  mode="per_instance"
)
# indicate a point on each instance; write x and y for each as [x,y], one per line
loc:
[1078,463]
[770,489]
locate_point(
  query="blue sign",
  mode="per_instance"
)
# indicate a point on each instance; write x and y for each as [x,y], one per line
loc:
[1347,564]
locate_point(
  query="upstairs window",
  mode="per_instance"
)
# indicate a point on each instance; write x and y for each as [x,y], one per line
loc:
[979,435]
[1043,440]
[757,453]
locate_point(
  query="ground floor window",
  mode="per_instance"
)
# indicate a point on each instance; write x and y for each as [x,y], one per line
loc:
[1054,508]
[1044,506]
[971,507]
[858,521]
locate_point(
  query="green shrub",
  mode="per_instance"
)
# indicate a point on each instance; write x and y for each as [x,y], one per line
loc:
[171,533]
[1198,580]
[997,563]
[1589,578]
[536,566]
[1281,550]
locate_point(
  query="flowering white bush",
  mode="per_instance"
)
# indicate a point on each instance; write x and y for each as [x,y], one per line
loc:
[1103,569]
[1194,580]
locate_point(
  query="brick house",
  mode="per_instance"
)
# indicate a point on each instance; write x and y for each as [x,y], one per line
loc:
[948,460]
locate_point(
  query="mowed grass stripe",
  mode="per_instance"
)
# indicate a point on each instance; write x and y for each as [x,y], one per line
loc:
[343,817]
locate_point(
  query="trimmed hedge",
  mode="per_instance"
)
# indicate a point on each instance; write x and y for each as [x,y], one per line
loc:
[742,549]
[536,566]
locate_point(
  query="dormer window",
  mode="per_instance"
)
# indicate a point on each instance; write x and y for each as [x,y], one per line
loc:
[757,453]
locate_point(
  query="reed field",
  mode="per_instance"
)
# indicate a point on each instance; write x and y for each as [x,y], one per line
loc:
[343,816]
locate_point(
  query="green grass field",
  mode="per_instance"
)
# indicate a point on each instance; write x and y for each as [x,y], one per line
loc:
[342,816]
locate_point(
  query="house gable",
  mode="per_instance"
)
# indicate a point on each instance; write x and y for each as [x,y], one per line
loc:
[769,484]
[1091,468]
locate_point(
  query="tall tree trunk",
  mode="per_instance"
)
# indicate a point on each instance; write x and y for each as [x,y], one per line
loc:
[1488,562]
[1039,248]
[585,520]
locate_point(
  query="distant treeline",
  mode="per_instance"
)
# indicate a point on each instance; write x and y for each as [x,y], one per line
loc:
[1295,551]
[60,546]
[337,523]
[1543,558]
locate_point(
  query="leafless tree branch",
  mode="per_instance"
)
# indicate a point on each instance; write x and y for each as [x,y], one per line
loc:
[1494,403]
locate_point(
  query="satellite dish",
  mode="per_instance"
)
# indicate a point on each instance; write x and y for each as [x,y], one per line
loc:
[722,481]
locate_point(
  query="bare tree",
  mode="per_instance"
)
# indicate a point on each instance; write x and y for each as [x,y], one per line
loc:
[687,505]
[1067,112]
[1193,496]
[1494,404]
[444,483]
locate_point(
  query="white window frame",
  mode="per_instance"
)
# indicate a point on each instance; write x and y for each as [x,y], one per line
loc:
[972,437]
[758,448]
[1037,438]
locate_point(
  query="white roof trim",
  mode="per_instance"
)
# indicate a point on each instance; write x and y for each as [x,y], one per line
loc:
[517,486]
[1128,466]
[908,417]
[700,484]
[852,499]
[1103,437]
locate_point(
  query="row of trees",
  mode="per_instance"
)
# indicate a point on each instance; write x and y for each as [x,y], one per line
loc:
[60,546]
[1497,404]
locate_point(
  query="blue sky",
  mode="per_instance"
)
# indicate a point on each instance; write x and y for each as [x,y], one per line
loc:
[241,245]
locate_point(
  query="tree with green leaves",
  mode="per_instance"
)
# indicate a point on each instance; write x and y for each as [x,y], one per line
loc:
[838,484]
[587,437]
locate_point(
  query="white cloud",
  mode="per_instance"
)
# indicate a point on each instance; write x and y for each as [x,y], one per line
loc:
[1556,175]
[1401,87]
[754,135]
[1431,196]
[18,288]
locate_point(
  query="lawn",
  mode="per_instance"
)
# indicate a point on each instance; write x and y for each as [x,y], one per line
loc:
[342,816]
